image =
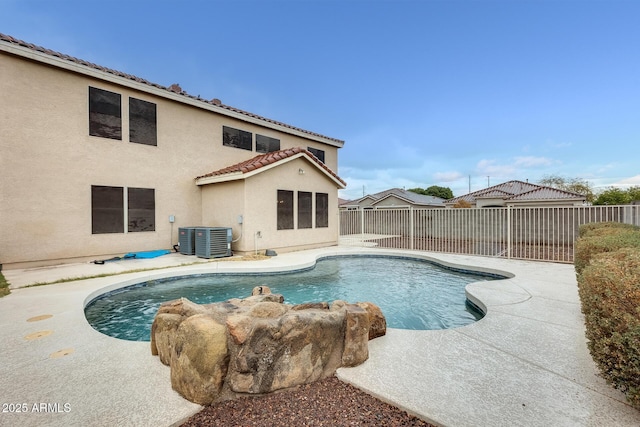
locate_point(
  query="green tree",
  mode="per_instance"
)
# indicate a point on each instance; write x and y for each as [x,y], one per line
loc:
[418,191]
[573,185]
[634,193]
[613,196]
[617,196]
[434,190]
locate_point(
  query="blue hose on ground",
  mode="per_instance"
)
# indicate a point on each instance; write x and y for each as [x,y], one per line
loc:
[136,255]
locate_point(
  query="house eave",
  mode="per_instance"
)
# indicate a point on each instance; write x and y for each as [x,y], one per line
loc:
[220,178]
[74,67]
[233,176]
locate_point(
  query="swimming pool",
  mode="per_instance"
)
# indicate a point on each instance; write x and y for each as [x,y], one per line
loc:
[412,293]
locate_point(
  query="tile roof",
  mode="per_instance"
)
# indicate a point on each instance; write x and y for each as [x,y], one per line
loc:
[272,158]
[410,196]
[546,193]
[174,88]
[518,190]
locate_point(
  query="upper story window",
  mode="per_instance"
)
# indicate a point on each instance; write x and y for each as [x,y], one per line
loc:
[265,144]
[105,113]
[237,138]
[105,117]
[142,122]
[318,153]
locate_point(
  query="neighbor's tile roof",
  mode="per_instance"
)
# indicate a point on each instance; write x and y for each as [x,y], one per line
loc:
[546,193]
[174,88]
[517,190]
[269,159]
[410,196]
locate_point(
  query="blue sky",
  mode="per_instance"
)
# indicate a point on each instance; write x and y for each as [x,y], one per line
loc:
[459,94]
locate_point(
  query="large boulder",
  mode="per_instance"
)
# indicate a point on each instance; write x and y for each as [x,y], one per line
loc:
[377,321]
[259,344]
[199,359]
[356,336]
[168,318]
[296,348]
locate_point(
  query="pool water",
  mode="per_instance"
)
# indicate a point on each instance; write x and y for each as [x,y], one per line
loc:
[413,294]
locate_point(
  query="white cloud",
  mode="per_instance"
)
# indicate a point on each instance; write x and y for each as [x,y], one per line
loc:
[628,182]
[492,168]
[532,161]
[369,181]
[373,180]
[514,168]
[605,168]
[447,176]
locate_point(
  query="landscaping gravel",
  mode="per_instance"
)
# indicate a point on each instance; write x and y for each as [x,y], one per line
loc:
[329,402]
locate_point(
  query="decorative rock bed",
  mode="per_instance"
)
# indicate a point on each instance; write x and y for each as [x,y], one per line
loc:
[259,344]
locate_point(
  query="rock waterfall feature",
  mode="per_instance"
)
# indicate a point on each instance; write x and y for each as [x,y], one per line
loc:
[259,344]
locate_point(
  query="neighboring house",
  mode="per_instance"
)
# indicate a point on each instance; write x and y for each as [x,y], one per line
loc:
[518,193]
[96,163]
[393,198]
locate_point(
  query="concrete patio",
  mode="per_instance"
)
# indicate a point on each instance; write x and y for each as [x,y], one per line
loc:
[525,364]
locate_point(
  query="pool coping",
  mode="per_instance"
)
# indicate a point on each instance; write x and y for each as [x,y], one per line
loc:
[524,363]
[161,277]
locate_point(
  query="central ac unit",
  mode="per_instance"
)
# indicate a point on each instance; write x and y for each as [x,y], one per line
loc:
[213,242]
[187,240]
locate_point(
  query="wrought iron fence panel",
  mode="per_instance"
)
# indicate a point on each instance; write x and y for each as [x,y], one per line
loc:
[531,233]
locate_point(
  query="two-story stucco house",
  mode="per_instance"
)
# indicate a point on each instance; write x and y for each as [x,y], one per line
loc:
[95,162]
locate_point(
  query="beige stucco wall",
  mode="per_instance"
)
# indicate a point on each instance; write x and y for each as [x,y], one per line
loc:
[494,202]
[258,194]
[393,201]
[222,204]
[366,202]
[48,163]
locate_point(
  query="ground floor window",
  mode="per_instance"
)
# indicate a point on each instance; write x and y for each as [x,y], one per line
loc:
[109,215]
[285,210]
[141,209]
[107,209]
[322,210]
[305,212]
